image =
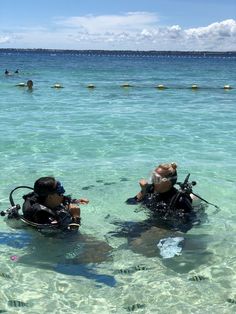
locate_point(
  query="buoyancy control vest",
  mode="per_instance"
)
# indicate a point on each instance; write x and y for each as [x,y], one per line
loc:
[173,209]
[38,213]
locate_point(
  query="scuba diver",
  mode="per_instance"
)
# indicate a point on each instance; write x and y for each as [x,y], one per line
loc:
[47,207]
[169,207]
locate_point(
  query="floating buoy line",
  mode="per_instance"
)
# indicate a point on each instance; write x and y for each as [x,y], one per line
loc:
[194,87]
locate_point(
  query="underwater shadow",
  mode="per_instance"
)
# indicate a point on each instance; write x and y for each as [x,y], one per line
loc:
[144,238]
[69,254]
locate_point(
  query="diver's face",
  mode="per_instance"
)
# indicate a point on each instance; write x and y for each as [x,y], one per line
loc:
[55,199]
[161,183]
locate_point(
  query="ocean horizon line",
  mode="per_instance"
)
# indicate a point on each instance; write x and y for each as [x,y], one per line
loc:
[131,52]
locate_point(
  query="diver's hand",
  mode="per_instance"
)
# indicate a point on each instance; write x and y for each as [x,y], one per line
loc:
[75,214]
[73,208]
[83,201]
[143,183]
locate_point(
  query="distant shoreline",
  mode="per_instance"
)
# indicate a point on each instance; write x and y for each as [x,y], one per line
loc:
[124,52]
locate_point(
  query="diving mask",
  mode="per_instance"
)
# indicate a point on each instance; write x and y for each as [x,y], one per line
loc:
[157,179]
[59,188]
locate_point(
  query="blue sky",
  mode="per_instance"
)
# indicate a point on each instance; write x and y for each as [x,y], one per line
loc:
[119,24]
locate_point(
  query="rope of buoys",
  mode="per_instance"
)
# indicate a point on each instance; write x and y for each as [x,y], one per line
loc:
[193,86]
[127,85]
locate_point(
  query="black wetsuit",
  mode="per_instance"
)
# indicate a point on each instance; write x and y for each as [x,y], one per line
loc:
[173,208]
[40,214]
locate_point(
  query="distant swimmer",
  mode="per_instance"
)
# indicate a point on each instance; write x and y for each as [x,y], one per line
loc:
[30,84]
[8,73]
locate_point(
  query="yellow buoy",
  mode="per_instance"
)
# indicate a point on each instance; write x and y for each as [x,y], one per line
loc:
[57,86]
[161,86]
[91,86]
[21,84]
[227,87]
[126,85]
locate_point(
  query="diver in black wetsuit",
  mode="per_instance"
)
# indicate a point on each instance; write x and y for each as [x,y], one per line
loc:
[169,207]
[48,205]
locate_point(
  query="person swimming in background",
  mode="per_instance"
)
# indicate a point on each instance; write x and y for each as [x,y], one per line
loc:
[8,73]
[48,205]
[30,84]
[172,207]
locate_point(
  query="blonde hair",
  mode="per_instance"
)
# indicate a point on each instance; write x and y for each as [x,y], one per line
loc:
[171,168]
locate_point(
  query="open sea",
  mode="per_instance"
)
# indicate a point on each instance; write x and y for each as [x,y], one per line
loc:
[99,142]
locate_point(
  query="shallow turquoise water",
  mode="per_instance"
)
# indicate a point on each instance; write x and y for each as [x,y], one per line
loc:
[99,142]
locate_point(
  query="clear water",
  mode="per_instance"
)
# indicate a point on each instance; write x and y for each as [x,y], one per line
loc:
[99,142]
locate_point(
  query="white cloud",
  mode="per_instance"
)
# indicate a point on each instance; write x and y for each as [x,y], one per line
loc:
[217,36]
[220,35]
[224,28]
[133,30]
[142,30]
[116,23]
[4,39]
